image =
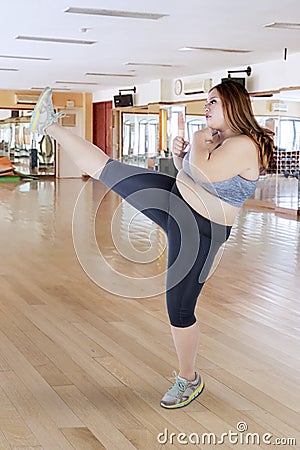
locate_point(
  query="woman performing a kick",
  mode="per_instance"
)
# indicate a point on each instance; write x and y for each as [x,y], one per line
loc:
[196,210]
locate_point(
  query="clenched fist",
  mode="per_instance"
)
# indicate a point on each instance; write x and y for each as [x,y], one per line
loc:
[179,145]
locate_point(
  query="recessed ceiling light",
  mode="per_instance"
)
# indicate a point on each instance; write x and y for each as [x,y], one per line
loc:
[115,13]
[148,64]
[55,40]
[213,49]
[32,58]
[5,69]
[54,89]
[98,74]
[76,82]
[284,25]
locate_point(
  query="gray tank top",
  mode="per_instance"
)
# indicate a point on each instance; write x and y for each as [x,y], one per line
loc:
[235,190]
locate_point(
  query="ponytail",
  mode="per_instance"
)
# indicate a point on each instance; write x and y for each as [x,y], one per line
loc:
[263,138]
[239,115]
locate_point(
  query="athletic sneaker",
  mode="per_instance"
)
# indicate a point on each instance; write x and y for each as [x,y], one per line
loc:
[182,392]
[44,115]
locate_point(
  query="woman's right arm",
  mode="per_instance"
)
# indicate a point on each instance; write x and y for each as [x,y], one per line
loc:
[178,147]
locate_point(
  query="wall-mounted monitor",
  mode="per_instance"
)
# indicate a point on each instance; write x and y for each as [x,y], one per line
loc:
[123,100]
[241,81]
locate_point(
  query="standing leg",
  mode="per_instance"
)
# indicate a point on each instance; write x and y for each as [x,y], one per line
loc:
[192,247]
[186,342]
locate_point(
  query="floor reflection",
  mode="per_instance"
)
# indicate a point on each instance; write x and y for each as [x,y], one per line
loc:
[37,219]
[278,191]
[22,165]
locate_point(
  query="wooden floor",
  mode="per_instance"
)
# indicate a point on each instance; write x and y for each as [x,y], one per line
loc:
[83,368]
[278,190]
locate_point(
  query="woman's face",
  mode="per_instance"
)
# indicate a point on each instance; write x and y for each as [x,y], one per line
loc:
[214,112]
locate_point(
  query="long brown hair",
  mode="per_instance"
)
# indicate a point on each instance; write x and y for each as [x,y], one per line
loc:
[239,116]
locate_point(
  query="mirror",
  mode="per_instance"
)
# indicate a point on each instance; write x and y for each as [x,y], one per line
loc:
[30,154]
[278,187]
[148,131]
[139,138]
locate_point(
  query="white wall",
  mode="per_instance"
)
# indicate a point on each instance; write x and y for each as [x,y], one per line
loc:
[270,75]
[65,166]
[146,93]
[275,74]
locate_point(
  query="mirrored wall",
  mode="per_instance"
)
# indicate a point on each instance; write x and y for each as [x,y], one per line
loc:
[147,138]
[279,185]
[30,154]
[140,136]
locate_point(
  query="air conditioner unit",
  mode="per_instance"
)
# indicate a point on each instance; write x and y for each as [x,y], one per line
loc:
[197,86]
[279,107]
[26,99]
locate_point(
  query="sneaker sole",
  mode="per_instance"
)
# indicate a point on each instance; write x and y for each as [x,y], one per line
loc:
[188,400]
[36,112]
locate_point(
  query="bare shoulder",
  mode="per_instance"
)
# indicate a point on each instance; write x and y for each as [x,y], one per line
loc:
[245,153]
[241,146]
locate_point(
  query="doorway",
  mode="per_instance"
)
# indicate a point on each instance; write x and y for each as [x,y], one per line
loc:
[102,126]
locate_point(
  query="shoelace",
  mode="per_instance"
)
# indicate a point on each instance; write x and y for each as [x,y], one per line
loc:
[179,385]
[56,116]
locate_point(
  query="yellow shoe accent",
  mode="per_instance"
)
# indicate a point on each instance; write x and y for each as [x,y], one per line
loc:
[188,400]
[36,111]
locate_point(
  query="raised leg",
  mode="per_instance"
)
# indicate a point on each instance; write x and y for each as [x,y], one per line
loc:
[89,158]
[86,156]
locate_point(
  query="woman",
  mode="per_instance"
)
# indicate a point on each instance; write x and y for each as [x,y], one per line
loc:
[197,210]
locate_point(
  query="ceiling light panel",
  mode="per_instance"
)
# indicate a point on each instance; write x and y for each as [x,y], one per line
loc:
[115,13]
[283,25]
[214,49]
[31,58]
[98,74]
[53,89]
[148,64]
[76,82]
[55,40]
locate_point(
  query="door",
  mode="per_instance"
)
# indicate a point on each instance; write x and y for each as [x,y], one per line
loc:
[102,126]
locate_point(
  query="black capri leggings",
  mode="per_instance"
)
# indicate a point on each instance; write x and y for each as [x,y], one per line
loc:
[193,240]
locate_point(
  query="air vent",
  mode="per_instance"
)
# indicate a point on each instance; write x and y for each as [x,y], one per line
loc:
[197,86]
[8,69]
[55,40]
[115,13]
[26,99]
[214,49]
[279,107]
[284,25]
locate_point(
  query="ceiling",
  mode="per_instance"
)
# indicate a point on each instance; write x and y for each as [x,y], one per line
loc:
[231,24]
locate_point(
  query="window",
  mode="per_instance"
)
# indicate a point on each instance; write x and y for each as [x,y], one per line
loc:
[127,137]
[152,137]
[194,124]
[143,137]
